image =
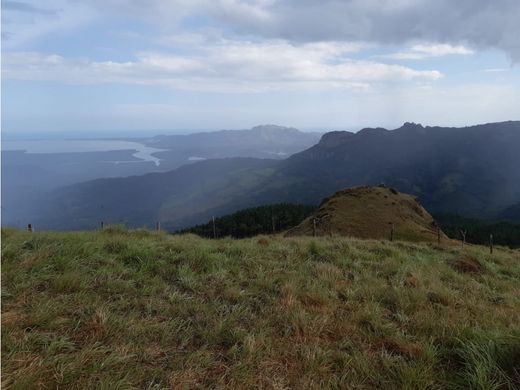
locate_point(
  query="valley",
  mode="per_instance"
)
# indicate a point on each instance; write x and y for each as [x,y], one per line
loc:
[468,171]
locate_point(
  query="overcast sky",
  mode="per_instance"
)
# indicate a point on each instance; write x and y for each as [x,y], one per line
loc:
[71,65]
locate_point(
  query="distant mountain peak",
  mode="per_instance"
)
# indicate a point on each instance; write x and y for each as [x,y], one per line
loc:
[272,128]
[335,138]
[372,130]
[411,126]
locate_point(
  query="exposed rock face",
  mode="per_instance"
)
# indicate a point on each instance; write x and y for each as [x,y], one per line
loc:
[371,212]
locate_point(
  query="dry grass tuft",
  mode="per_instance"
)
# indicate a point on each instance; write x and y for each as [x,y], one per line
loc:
[468,265]
[263,242]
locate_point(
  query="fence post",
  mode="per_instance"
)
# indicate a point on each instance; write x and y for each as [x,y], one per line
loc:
[272,224]
[102,225]
[392,232]
[158,226]
[491,243]
[463,234]
[438,235]
[214,228]
[29,228]
[314,227]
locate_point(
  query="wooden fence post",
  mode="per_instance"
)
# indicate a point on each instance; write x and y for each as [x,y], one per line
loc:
[491,243]
[102,225]
[214,228]
[392,232]
[272,224]
[29,228]
[314,227]
[438,235]
[158,226]
[463,234]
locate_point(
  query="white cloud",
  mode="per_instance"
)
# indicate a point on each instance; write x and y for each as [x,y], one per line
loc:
[223,66]
[479,24]
[496,70]
[423,51]
[23,22]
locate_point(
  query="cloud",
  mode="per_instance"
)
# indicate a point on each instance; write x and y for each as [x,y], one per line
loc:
[480,24]
[477,24]
[223,66]
[25,22]
[496,70]
[423,51]
[19,6]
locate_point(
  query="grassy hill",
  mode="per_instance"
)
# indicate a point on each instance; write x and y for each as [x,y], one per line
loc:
[371,212]
[137,309]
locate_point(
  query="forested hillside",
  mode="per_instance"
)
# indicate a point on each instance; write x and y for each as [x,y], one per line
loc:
[250,222]
[471,171]
[478,231]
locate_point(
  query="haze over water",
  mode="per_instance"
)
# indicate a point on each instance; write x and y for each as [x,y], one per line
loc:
[142,152]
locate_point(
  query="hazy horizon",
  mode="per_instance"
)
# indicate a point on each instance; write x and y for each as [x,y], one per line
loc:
[8,135]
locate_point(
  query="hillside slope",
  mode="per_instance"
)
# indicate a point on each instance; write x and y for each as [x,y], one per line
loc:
[470,171]
[118,309]
[28,176]
[371,212]
[175,198]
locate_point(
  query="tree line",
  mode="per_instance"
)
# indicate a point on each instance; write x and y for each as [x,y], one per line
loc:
[250,222]
[477,231]
[279,217]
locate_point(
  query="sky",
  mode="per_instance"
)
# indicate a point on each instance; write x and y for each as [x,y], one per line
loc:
[146,65]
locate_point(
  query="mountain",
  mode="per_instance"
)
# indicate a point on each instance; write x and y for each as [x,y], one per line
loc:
[371,213]
[512,213]
[175,198]
[472,171]
[26,177]
[265,141]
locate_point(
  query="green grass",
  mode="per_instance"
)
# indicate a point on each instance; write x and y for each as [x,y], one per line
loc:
[143,310]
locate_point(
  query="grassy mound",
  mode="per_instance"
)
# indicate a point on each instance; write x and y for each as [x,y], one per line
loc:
[136,309]
[371,213]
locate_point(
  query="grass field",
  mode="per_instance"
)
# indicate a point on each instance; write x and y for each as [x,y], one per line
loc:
[136,309]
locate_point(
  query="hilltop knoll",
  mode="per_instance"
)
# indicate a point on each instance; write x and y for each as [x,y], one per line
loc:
[371,212]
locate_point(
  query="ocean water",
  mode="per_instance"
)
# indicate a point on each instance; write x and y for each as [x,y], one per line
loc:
[142,152]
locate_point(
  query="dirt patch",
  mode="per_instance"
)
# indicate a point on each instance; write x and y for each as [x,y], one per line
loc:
[411,281]
[263,242]
[434,297]
[467,265]
[409,351]
[11,317]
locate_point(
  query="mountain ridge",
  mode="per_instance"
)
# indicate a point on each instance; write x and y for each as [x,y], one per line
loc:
[471,171]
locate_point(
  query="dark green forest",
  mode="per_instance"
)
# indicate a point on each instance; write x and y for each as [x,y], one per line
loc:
[478,230]
[254,221]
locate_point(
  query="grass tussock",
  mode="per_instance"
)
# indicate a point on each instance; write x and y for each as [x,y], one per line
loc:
[125,309]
